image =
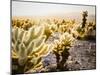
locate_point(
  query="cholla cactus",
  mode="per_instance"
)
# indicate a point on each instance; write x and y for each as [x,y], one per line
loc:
[81,29]
[87,30]
[90,31]
[22,23]
[54,27]
[61,49]
[63,28]
[48,30]
[27,49]
[85,14]
[66,26]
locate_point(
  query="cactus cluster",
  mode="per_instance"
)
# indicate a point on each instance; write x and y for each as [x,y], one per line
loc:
[61,49]
[51,26]
[81,29]
[85,30]
[23,23]
[90,31]
[33,40]
[28,48]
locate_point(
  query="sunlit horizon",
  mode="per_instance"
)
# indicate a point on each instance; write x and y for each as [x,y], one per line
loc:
[46,9]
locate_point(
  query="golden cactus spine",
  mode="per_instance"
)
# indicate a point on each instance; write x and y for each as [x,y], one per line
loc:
[28,47]
[61,49]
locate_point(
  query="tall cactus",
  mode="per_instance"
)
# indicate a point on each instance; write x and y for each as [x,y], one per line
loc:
[84,14]
[27,49]
[81,30]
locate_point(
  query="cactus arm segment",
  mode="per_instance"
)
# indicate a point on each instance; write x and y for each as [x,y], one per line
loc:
[22,54]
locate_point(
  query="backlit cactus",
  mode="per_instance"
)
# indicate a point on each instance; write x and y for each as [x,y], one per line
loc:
[81,30]
[86,30]
[27,49]
[90,31]
[61,49]
[34,41]
[47,30]
[23,23]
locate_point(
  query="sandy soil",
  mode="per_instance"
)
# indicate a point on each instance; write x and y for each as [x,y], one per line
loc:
[82,56]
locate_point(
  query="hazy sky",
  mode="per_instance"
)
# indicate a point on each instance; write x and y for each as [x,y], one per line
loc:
[44,9]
